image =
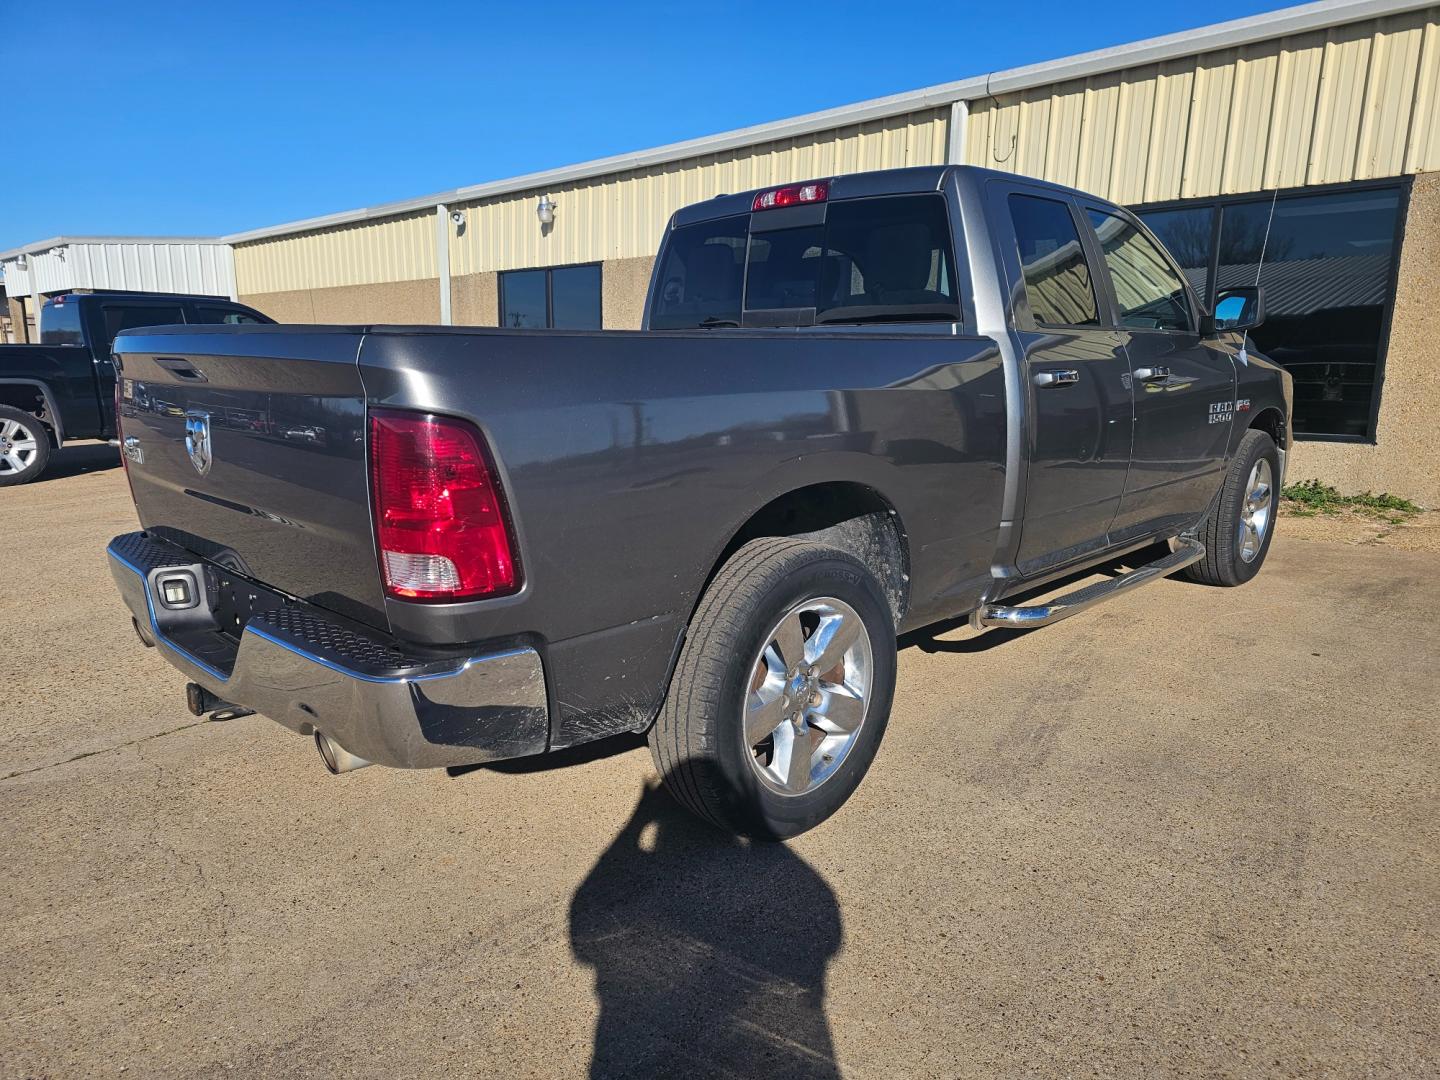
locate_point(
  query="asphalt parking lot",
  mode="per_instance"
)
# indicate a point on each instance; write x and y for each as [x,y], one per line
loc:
[1191,833]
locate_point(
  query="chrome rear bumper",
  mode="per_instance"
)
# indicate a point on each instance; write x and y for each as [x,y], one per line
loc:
[309,670]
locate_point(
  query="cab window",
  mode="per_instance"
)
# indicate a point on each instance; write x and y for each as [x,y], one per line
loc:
[1057,277]
[882,259]
[215,314]
[1148,291]
[60,324]
[119,318]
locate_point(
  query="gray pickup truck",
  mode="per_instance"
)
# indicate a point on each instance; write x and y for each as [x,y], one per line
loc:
[859,406]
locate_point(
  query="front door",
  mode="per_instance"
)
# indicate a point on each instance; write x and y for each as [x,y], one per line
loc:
[1078,380]
[1184,384]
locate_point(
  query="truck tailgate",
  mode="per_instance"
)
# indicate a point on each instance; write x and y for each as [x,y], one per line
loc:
[256,462]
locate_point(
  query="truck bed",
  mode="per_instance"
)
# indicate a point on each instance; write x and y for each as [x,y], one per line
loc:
[628,460]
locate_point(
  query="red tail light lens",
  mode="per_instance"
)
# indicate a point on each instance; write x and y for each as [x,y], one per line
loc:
[792,195]
[440,516]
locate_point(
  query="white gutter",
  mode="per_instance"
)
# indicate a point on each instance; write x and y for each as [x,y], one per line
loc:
[41,246]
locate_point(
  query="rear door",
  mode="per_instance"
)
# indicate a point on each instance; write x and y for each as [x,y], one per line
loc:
[1184,384]
[68,368]
[112,317]
[1076,375]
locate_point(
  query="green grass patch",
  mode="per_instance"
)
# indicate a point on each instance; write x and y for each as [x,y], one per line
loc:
[1311,497]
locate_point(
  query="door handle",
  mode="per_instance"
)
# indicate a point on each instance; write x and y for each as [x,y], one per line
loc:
[1152,374]
[181,367]
[1057,377]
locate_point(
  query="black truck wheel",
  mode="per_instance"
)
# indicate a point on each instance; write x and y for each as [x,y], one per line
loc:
[782,690]
[1238,528]
[24,447]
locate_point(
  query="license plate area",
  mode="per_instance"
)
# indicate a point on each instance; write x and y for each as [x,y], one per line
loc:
[234,601]
[203,610]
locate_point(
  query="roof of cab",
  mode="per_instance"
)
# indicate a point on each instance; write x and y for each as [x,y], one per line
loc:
[861,185]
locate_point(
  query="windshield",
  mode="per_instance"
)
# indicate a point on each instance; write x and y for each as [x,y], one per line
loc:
[872,260]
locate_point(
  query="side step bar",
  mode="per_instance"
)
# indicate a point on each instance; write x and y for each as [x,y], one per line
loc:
[1187,550]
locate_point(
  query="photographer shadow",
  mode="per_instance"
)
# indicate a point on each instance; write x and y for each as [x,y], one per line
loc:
[709,952]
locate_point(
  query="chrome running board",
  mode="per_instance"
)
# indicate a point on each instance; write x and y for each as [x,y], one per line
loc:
[1187,550]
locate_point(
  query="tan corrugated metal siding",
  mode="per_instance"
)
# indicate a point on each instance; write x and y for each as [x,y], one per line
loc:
[621,216]
[1349,103]
[364,253]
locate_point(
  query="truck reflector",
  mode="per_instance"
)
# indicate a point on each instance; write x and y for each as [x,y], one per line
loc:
[441,523]
[792,195]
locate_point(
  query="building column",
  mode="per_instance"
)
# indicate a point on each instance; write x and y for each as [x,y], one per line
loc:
[15,305]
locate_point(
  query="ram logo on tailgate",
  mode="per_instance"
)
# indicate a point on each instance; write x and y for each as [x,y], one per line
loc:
[197,440]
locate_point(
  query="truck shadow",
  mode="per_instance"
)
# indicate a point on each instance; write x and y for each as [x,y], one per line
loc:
[928,638]
[79,458]
[709,952]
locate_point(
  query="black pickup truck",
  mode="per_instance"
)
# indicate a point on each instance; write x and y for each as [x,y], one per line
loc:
[860,405]
[64,388]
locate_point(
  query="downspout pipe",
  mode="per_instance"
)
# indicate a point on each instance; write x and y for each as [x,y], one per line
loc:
[959,123]
[442,260]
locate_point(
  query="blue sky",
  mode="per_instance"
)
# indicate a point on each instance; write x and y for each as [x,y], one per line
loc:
[204,118]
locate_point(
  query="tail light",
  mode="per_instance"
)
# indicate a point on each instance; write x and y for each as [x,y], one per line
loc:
[441,523]
[792,195]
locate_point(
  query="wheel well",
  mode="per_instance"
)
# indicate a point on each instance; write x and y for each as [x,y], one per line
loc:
[1273,424]
[849,516]
[28,398]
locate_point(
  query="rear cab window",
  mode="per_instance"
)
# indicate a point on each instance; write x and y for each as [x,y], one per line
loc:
[219,314]
[60,324]
[875,259]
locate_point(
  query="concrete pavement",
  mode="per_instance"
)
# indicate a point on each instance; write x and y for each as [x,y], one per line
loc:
[1191,833]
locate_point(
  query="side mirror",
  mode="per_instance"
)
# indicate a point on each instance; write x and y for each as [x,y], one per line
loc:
[1240,308]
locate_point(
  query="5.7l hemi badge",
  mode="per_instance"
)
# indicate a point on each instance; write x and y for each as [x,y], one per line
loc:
[1221,412]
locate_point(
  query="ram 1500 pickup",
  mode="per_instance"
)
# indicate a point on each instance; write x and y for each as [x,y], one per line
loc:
[859,405]
[64,388]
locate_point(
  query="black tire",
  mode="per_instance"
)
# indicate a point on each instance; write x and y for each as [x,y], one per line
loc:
[34,458]
[1224,564]
[698,741]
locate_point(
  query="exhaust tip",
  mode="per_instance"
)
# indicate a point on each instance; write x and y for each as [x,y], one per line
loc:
[336,758]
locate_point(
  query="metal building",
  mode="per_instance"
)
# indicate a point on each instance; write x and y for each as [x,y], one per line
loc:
[1299,147]
[125,263]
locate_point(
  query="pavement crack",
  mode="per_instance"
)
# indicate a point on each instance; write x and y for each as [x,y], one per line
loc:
[102,750]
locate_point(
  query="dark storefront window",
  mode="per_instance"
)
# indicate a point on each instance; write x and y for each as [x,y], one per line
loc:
[1327,262]
[565,298]
[1189,235]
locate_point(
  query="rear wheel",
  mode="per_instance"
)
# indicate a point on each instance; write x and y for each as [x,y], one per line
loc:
[24,447]
[1238,528]
[782,690]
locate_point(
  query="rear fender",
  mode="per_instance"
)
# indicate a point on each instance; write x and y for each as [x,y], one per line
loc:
[52,417]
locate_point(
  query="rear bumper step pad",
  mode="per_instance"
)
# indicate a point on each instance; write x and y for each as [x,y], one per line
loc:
[302,666]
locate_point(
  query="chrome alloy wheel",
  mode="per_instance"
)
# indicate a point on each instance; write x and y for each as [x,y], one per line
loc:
[1256,511]
[18,447]
[808,695]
